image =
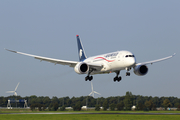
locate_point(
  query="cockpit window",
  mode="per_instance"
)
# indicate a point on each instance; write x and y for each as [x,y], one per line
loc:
[129,56]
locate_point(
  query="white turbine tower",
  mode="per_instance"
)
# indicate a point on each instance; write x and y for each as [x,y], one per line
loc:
[15,90]
[92,93]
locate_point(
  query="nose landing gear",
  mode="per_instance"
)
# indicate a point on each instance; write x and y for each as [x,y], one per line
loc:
[127,73]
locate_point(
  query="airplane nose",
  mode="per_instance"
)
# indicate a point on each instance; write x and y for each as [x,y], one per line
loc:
[132,61]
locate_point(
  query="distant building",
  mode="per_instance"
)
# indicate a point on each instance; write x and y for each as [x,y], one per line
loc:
[84,107]
[68,108]
[133,107]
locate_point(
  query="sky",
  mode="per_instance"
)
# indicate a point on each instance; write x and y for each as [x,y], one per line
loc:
[148,28]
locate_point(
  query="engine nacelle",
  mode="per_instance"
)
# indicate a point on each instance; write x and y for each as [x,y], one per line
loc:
[141,70]
[81,68]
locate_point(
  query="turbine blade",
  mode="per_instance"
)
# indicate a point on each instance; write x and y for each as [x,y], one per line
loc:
[90,93]
[16,86]
[97,92]
[9,91]
[15,93]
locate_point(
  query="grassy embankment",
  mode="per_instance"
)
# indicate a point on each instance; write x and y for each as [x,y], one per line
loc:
[84,116]
[88,117]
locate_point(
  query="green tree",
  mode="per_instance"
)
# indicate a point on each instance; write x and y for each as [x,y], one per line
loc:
[120,106]
[166,103]
[55,100]
[178,108]
[77,107]
[154,107]
[62,108]
[32,107]
[55,106]
[149,104]
[50,107]
[128,101]
[156,101]
[46,101]
[140,106]
[37,105]
[97,107]
[105,105]
[112,106]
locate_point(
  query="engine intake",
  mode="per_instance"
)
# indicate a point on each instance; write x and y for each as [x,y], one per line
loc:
[141,70]
[81,68]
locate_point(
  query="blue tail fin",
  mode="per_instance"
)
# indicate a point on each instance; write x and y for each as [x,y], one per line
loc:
[81,52]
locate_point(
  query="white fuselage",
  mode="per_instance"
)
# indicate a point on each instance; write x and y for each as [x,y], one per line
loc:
[112,62]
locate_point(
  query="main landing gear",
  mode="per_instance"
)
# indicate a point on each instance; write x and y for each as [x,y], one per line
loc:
[117,78]
[89,77]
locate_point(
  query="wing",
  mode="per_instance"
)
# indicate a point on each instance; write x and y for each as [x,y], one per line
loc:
[55,61]
[154,61]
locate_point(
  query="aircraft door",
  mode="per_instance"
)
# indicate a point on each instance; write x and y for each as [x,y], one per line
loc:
[121,58]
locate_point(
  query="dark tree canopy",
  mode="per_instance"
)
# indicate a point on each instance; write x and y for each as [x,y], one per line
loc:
[112,103]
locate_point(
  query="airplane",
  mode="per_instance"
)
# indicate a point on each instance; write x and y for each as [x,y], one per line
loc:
[107,63]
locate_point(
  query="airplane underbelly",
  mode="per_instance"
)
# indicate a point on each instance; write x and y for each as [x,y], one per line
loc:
[116,65]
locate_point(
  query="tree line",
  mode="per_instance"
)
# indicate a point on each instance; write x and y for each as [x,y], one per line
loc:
[113,103]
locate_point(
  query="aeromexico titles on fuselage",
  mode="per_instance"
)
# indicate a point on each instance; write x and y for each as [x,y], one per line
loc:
[107,57]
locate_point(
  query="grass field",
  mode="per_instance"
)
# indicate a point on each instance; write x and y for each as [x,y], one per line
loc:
[103,116]
[88,117]
[29,111]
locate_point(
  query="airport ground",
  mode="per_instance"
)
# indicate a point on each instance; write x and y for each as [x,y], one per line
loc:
[87,117]
[19,114]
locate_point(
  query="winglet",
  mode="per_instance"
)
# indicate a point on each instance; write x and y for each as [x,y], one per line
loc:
[174,54]
[11,50]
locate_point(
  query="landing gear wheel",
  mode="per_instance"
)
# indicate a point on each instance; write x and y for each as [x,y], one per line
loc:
[115,79]
[119,79]
[127,73]
[88,78]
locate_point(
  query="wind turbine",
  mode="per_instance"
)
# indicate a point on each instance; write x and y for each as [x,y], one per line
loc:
[92,93]
[15,90]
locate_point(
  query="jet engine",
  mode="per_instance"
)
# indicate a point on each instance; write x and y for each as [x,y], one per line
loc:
[81,68]
[141,70]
